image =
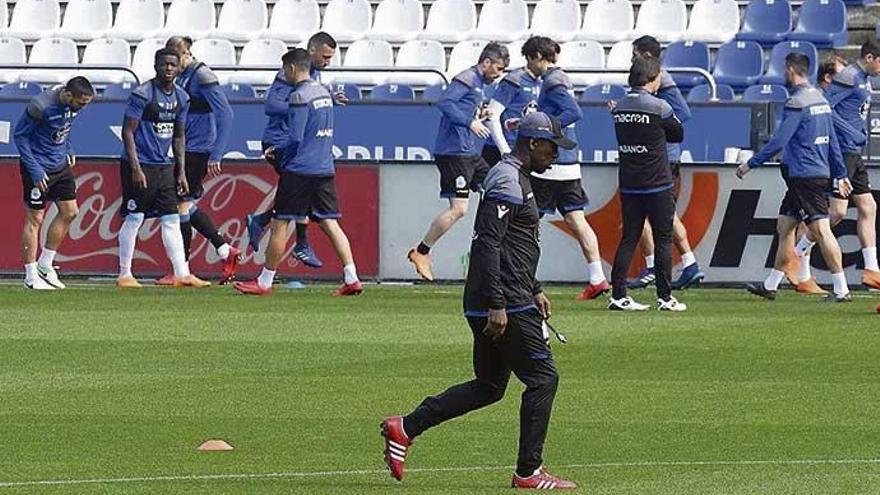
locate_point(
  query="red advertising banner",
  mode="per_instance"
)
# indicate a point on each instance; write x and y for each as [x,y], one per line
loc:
[244,187]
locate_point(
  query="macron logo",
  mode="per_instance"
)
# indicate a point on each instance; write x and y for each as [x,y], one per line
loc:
[502,210]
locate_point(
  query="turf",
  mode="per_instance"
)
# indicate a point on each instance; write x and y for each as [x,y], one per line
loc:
[729,398]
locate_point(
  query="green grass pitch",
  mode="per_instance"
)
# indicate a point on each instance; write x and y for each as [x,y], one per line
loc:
[737,396]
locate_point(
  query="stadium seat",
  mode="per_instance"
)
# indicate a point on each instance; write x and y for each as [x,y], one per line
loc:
[517,59]
[586,54]
[772,93]
[34,19]
[51,51]
[665,20]
[21,89]
[366,53]
[107,51]
[608,21]
[119,91]
[821,22]
[241,20]
[86,19]
[464,55]
[351,91]
[294,20]
[420,53]
[194,18]
[620,56]
[776,69]
[713,21]
[259,53]
[603,92]
[398,20]
[766,21]
[143,59]
[137,20]
[216,53]
[558,19]
[236,91]
[347,20]
[450,21]
[503,20]
[12,51]
[393,92]
[433,93]
[739,64]
[703,92]
[4,16]
[687,54]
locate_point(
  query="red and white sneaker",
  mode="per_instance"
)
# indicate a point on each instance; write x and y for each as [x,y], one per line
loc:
[166,281]
[252,287]
[594,290]
[229,266]
[542,480]
[353,289]
[396,445]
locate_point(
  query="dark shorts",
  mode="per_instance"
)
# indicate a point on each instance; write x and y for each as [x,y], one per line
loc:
[301,196]
[806,199]
[196,170]
[491,155]
[563,196]
[460,174]
[857,173]
[157,199]
[62,187]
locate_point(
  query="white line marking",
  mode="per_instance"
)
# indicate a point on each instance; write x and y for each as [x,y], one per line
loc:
[360,472]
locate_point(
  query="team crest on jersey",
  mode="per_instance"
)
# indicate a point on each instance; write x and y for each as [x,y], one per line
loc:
[132,205]
[60,136]
[530,108]
[460,182]
[865,109]
[35,193]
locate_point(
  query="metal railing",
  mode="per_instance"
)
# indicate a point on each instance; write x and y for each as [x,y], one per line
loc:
[378,70]
[78,67]
[713,87]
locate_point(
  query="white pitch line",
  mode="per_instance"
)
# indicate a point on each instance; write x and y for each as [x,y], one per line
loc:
[359,472]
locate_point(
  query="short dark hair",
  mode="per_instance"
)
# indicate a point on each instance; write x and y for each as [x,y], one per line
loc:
[321,38]
[643,71]
[495,52]
[165,52]
[827,68]
[175,41]
[798,62]
[541,46]
[298,57]
[871,47]
[649,45]
[80,86]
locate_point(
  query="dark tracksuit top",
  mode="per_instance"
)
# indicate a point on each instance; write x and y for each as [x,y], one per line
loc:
[670,93]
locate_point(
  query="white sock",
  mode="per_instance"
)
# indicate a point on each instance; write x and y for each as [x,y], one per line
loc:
[870,256]
[127,237]
[173,241]
[349,273]
[805,272]
[30,272]
[47,258]
[597,276]
[688,259]
[224,250]
[840,287]
[266,278]
[804,246]
[649,261]
[774,279]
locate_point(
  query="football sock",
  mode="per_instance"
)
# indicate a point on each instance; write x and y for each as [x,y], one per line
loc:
[596,274]
[186,232]
[266,278]
[173,242]
[203,225]
[840,287]
[224,250]
[805,273]
[774,279]
[804,245]
[349,274]
[649,262]
[47,258]
[870,256]
[302,234]
[127,239]
[30,272]
[423,248]
[688,259]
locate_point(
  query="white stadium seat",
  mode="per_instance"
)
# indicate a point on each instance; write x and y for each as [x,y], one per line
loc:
[366,53]
[194,18]
[294,20]
[86,19]
[215,53]
[241,20]
[586,54]
[713,21]
[517,59]
[51,51]
[464,55]
[138,19]
[665,20]
[398,20]
[620,56]
[107,51]
[503,20]
[144,56]
[34,19]
[259,53]
[450,21]
[4,16]
[608,21]
[347,20]
[11,52]
[420,53]
[558,19]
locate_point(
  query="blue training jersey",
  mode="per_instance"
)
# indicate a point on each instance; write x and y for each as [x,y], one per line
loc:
[518,92]
[276,106]
[42,135]
[209,122]
[309,146]
[850,97]
[557,101]
[156,113]
[806,137]
[459,106]
[670,93]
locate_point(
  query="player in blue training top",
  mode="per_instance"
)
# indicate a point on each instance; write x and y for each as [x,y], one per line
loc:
[811,158]
[648,46]
[208,125]
[46,157]
[462,168]
[155,120]
[307,186]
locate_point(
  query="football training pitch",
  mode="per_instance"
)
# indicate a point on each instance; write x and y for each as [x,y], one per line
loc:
[108,392]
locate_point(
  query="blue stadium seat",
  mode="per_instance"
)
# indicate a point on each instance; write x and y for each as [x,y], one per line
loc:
[393,92]
[20,90]
[119,91]
[766,21]
[772,93]
[821,22]
[433,93]
[351,91]
[687,54]
[702,92]
[237,91]
[739,64]
[776,69]
[603,92]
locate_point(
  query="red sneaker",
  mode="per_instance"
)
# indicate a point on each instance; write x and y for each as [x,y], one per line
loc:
[229,266]
[252,287]
[396,445]
[354,289]
[542,480]
[167,280]
[593,291]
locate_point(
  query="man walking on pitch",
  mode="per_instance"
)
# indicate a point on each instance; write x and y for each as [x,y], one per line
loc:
[155,121]
[46,159]
[307,186]
[505,308]
[810,159]
[462,169]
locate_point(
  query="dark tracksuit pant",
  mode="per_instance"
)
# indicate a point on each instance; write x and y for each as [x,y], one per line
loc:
[659,209]
[524,351]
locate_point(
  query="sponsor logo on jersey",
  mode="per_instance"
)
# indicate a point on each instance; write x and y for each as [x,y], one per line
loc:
[632,118]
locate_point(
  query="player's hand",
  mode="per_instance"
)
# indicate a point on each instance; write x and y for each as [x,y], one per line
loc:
[214,168]
[512,124]
[138,178]
[543,304]
[479,129]
[43,184]
[182,185]
[742,170]
[269,154]
[71,160]
[843,187]
[340,98]
[496,324]
[612,105]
